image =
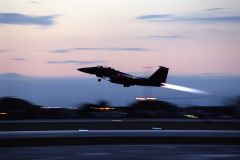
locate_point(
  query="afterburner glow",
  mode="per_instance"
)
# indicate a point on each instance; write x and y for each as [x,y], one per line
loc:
[184,89]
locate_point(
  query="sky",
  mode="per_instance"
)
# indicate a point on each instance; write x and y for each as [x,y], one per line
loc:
[52,38]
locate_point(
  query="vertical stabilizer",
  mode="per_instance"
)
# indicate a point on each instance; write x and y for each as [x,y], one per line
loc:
[160,76]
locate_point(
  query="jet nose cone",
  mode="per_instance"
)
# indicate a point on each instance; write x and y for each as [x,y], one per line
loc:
[90,70]
[82,69]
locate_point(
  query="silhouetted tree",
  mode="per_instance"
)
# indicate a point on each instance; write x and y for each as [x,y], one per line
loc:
[103,103]
[18,108]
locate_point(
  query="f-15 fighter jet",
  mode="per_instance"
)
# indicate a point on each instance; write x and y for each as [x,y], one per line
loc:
[156,79]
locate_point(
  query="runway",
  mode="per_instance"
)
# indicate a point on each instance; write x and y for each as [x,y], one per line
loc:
[89,144]
[119,133]
[93,137]
[118,124]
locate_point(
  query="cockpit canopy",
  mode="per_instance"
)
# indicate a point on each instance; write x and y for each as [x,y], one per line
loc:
[105,67]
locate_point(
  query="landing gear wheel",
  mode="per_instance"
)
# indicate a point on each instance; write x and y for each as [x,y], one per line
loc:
[99,80]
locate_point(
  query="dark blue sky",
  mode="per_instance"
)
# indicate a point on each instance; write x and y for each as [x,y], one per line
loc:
[71,91]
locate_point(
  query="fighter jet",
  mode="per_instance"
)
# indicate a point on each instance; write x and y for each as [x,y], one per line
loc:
[155,80]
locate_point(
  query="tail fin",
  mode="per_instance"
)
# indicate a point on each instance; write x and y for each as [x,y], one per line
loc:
[160,76]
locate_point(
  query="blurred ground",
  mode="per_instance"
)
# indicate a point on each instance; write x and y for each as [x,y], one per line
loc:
[133,152]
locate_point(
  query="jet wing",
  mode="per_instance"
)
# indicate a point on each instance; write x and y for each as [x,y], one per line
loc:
[127,75]
[124,78]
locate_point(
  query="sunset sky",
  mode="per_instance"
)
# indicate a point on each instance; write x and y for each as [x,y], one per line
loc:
[54,37]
